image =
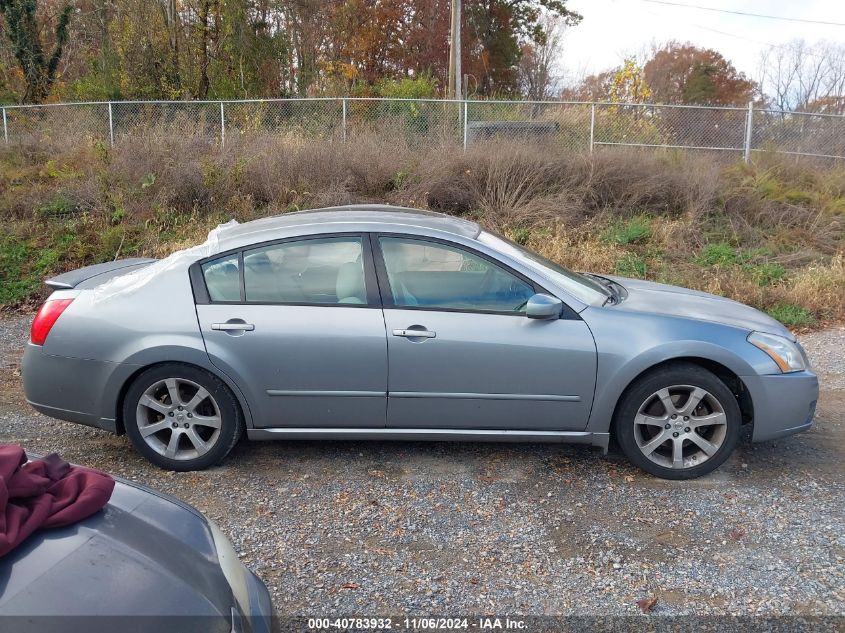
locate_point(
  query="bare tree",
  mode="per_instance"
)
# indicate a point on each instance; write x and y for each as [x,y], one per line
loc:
[539,70]
[802,76]
[170,12]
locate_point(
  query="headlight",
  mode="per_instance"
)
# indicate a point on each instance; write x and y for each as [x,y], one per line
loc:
[784,352]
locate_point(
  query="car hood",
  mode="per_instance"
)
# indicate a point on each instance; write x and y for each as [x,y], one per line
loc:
[144,554]
[655,298]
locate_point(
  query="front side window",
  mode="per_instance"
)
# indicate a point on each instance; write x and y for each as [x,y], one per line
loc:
[319,271]
[433,275]
[223,278]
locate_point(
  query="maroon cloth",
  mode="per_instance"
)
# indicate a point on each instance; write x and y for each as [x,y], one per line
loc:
[45,493]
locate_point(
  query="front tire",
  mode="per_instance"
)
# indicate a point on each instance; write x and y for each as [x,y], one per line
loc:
[181,417]
[678,422]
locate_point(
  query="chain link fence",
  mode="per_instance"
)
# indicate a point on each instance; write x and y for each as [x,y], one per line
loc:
[569,126]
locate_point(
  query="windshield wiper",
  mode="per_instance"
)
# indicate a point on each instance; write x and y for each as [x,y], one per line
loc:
[614,295]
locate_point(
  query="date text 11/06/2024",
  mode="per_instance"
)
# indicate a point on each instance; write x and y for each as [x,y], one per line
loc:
[417,624]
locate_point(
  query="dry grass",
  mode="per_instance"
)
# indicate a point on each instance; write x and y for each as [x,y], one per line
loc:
[769,234]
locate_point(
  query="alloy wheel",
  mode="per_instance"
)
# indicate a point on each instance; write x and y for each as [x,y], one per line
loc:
[681,426]
[178,419]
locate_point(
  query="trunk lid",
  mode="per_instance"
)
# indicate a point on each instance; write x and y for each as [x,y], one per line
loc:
[94,275]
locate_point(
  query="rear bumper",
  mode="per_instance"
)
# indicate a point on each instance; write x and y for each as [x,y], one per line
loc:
[784,404]
[73,389]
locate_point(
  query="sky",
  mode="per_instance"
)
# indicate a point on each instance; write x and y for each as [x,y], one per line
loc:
[612,29]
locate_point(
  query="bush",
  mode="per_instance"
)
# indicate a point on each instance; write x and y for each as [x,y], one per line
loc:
[422,87]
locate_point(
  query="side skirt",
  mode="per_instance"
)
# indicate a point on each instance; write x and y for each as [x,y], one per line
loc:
[600,440]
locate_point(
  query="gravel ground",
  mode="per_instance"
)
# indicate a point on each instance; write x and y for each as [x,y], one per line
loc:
[340,528]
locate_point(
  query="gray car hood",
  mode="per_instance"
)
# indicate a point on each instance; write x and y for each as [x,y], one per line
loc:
[144,554]
[655,298]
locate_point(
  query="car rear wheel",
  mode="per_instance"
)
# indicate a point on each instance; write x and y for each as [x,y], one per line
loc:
[678,422]
[181,417]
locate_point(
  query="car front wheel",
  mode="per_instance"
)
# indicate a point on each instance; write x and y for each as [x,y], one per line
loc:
[678,422]
[181,417]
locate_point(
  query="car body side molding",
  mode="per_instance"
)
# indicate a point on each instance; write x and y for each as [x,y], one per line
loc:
[483,396]
[600,440]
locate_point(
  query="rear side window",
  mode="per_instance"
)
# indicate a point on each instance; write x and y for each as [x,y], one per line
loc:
[223,279]
[322,271]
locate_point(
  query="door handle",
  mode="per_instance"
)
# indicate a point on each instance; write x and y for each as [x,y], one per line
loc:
[233,327]
[411,333]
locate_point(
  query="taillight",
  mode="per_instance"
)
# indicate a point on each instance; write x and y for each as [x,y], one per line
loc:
[46,317]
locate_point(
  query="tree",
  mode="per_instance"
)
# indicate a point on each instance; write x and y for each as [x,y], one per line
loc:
[24,33]
[686,74]
[538,73]
[801,76]
[498,31]
[183,49]
[170,12]
[623,84]
[629,85]
[590,88]
[142,43]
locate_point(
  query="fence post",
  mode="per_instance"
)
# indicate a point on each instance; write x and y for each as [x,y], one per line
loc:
[111,127]
[466,123]
[5,128]
[344,119]
[222,127]
[749,122]
[592,125]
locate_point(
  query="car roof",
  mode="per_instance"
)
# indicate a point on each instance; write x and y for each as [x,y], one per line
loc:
[357,217]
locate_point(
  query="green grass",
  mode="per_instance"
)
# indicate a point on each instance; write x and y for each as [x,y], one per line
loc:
[718,254]
[16,282]
[631,265]
[766,274]
[521,236]
[26,262]
[633,231]
[792,315]
[59,206]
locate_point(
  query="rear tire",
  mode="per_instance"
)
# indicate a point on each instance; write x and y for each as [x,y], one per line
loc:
[181,417]
[678,422]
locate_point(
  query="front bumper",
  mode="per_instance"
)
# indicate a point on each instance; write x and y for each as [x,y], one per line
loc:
[783,403]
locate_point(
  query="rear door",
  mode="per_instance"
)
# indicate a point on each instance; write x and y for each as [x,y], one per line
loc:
[463,355]
[297,324]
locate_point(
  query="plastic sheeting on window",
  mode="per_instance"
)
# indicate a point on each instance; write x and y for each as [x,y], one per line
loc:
[133,281]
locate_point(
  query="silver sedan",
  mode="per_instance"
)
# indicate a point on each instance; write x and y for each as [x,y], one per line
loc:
[371,322]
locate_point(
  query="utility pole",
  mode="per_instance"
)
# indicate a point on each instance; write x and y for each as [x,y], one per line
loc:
[455,91]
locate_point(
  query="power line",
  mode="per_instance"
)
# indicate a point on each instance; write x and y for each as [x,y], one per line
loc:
[809,53]
[743,13]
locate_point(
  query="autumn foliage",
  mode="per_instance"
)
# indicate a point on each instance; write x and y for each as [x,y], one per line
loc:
[195,49]
[683,73]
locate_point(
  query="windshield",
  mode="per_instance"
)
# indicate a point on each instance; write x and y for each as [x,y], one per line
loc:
[579,286]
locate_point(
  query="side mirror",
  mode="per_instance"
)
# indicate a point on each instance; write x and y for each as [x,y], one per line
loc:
[542,306]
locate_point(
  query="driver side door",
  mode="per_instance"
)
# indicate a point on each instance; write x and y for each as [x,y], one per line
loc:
[461,352]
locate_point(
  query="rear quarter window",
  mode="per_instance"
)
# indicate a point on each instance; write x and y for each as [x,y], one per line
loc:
[223,278]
